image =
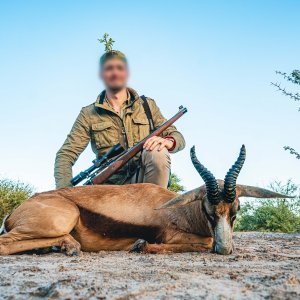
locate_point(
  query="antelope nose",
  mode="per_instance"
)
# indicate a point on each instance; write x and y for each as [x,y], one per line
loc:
[223,250]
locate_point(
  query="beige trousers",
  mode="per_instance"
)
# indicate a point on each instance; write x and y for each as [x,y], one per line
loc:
[155,168]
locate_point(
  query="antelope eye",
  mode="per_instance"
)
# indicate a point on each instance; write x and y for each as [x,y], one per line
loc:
[233,218]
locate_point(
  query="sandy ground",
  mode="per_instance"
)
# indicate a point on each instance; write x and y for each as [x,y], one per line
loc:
[264,266]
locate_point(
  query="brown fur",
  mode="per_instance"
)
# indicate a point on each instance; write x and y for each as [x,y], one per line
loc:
[94,218]
[103,218]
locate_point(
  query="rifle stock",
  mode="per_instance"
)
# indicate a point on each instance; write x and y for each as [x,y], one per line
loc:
[114,166]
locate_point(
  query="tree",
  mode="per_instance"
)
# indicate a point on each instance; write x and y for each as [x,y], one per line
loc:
[175,185]
[293,78]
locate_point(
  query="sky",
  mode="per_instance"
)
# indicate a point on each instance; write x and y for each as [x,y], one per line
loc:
[217,58]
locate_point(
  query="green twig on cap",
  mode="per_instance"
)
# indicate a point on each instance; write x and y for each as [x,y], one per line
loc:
[107,41]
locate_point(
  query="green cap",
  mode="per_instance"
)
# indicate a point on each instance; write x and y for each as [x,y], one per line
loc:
[112,54]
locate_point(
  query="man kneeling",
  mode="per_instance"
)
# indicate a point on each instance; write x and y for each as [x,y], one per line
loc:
[120,115]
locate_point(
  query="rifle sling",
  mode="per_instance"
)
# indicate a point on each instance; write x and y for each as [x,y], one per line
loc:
[148,113]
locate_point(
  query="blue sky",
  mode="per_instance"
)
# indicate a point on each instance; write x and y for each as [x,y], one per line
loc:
[217,58]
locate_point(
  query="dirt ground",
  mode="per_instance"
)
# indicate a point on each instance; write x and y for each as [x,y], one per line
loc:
[264,266]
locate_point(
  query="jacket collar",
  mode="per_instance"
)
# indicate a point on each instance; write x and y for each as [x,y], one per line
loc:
[101,99]
[133,96]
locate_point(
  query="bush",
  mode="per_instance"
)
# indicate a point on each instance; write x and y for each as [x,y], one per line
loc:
[275,215]
[12,194]
[175,185]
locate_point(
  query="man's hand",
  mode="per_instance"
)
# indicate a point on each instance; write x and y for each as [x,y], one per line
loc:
[155,141]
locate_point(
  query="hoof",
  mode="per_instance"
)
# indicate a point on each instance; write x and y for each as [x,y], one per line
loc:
[70,250]
[138,246]
[73,252]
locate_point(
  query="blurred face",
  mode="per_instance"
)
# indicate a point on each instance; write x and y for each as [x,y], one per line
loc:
[114,73]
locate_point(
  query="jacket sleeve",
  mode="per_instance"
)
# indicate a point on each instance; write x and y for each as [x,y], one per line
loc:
[76,141]
[172,131]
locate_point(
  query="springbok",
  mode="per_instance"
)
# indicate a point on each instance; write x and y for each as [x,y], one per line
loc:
[138,217]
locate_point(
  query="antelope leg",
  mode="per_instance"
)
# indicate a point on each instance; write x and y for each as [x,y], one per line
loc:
[189,238]
[173,248]
[67,243]
[141,246]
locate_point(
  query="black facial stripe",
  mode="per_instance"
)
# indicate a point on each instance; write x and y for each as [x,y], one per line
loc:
[211,221]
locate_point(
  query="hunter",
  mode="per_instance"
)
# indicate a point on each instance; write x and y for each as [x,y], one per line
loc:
[120,115]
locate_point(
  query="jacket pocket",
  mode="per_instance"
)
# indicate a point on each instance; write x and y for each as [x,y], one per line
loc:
[105,134]
[141,129]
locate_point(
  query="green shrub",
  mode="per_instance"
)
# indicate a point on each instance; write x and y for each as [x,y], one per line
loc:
[275,215]
[12,194]
[175,185]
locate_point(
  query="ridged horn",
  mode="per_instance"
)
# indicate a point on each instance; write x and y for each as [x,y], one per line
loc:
[257,192]
[212,187]
[232,175]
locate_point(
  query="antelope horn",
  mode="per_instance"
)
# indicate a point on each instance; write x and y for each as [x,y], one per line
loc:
[232,175]
[256,192]
[212,187]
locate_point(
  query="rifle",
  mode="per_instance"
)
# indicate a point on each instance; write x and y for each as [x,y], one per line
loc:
[111,162]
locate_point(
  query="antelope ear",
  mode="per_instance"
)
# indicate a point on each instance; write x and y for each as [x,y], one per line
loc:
[256,192]
[183,199]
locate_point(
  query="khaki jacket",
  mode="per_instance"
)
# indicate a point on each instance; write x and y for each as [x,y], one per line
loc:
[99,124]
